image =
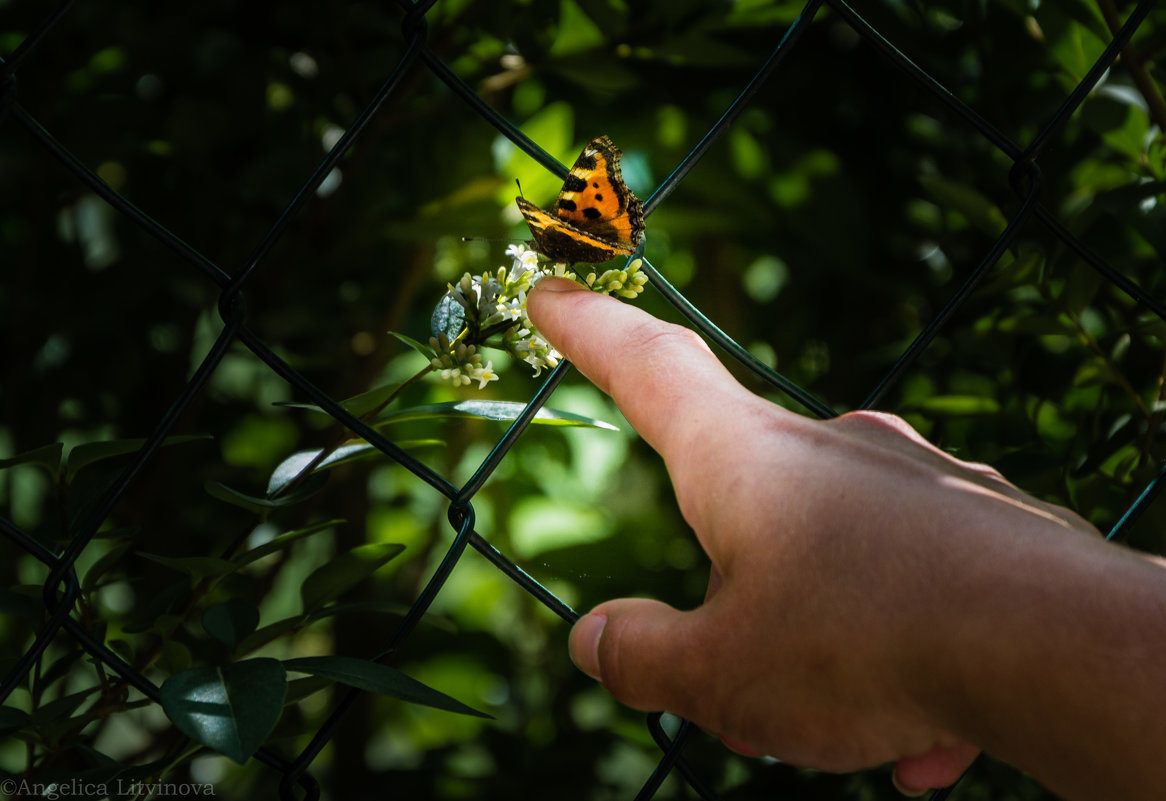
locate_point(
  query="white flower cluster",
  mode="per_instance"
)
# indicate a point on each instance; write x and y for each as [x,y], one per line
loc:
[461,363]
[496,304]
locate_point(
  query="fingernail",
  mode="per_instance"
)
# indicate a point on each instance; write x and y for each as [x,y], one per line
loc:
[904,791]
[558,285]
[584,644]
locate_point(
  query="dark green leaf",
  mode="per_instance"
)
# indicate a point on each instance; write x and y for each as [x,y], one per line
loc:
[377,678]
[46,456]
[253,503]
[90,452]
[13,720]
[982,213]
[357,405]
[337,576]
[231,621]
[230,709]
[197,567]
[103,564]
[55,711]
[270,633]
[283,541]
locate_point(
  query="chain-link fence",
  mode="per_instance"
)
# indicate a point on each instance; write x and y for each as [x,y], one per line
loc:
[1022,166]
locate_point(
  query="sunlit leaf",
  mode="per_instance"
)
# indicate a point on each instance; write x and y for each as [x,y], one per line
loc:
[503,411]
[420,347]
[377,678]
[292,466]
[230,709]
[448,318]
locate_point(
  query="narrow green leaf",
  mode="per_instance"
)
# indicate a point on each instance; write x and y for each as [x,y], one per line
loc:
[253,503]
[982,213]
[337,576]
[46,456]
[231,621]
[13,720]
[231,709]
[357,405]
[55,711]
[197,567]
[269,633]
[421,348]
[293,465]
[377,678]
[90,452]
[283,541]
[504,411]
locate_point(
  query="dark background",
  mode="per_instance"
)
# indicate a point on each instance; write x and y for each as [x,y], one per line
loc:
[828,224]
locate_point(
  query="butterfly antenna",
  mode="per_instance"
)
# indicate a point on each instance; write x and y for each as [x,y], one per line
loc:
[519,183]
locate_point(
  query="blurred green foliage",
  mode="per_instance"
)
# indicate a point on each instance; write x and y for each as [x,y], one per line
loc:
[823,230]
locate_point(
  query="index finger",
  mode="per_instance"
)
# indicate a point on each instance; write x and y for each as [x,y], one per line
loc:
[663,377]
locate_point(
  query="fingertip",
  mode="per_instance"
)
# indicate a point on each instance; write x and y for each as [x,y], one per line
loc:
[584,643]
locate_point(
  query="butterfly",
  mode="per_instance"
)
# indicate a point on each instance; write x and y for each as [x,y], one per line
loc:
[596,217]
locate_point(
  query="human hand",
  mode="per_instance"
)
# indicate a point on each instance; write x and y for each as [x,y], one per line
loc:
[852,561]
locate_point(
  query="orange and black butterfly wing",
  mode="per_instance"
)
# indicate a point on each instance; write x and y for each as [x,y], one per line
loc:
[596,216]
[560,241]
[595,198]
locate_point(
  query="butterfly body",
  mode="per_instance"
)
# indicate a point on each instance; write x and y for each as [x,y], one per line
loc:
[596,216]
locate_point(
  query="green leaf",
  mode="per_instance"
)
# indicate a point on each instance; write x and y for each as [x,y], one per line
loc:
[46,456]
[253,503]
[421,348]
[103,564]
[283,541]
[577,31]
[293,465]
[337,576]
[13,720]
[197,567]
[980,212]
[377,678]
[231,709]
[269,633]
[90,452]
[504,411]
[357,405]
[61,709]
[231,621]
[448,318]
[955,405]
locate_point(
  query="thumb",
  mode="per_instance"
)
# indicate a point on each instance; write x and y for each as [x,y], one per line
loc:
[641,651]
